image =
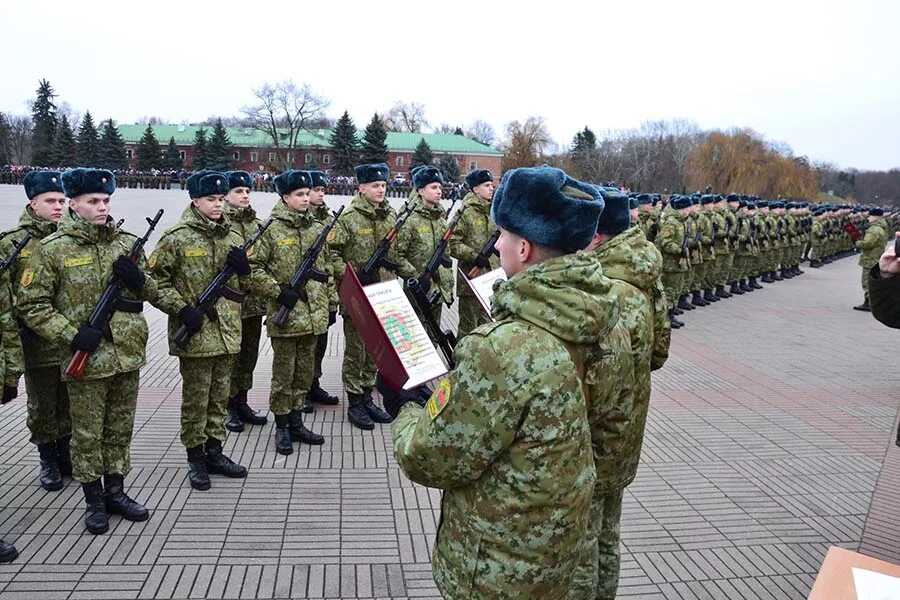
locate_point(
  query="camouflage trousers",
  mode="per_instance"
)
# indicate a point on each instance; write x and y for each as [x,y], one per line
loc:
[205,383]
[242,376]
[865,281]
[471,315]
[358,371]
[673,282]
[724,267]
[321,348]
[102,421]
[48,405]
[597,575]
[293,365]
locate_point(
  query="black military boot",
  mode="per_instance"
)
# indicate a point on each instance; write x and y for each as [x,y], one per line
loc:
[307,405]
[233,422]
[721,292]
[8,552]
[283,443]
[299,432]
[745,286]
[64,455]
[319,396]
[786,273]
[375,413]
[684,304]
[798,270]
[766,278]
[698,300]
[95,518]
[677,311]
[864,306]
[815,263]
[197,473]
[219,464]
[118,502]
[710,296]
[736,289]
[356,412]
[50,477]
[676,324]
[755,284]
[247,414]
[774,275]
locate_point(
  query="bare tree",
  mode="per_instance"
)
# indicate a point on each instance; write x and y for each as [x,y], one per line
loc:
[445,128]
[483,132]
[20,139]
[283,112]
[407,117]
[152,121]
[526,143]
[73,116]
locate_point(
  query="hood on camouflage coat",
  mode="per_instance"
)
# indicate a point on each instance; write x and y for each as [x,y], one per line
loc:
[629,257]
[567,296]
[194,218]
[41,227]
[294,218]
[237,213]
[90,233]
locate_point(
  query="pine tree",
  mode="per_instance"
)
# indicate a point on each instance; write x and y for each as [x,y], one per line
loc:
[4,141]
[219,148]
[345,146]
[374,148]
[172,160]
[65,153]
[422,156]
[583,152]
[459,131]
[148,151]
[43,116]
[87,149]
[449,168]
[111,148]
[198,156]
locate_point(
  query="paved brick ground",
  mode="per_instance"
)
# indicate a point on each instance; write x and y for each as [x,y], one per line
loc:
[770,438]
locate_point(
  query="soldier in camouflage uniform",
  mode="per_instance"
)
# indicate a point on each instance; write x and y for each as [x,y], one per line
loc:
[8,552]
[187,257]
[472,232]
[321,213]
[48,400]
[352,241]
[245,224]
[671,242]
[275,259]
[61,284]
[872,245]
[731,212]
[506,434]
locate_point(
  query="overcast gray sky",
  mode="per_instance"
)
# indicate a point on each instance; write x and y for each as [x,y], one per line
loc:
[823,76]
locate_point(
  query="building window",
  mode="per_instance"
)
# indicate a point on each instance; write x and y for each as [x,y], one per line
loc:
[326,159]
[129,154]
[182,154]
[399,161]
[473,165]
[271,157]
[307,159]
[235,156]
[254,156]
[289,158]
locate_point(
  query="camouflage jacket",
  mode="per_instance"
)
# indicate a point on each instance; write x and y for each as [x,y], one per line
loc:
[188,256]
[720,223]
[245,224]
[670,240]
[323,215]
[418,239]
[872,244]
[31,351]
[649,223]
[705,223]
[63,281]
[274,261]
[473,231]
[506,437]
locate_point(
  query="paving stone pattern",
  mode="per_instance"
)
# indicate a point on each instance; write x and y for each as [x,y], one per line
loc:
[770,438]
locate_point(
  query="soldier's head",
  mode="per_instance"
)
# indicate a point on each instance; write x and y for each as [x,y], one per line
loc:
[481,182]
[372,180]
[46,196]
[319,181]
[707,202]
[875,214]
[734,201]
[293,186]
[207,190]
[89,191]
[616,217]
[542,213]
[239,184]
[428,182]
[645,203]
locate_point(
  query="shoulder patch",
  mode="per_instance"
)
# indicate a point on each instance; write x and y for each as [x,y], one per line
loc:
[331,234]
[27,277]
[439,399]
[25,253]
[152,261]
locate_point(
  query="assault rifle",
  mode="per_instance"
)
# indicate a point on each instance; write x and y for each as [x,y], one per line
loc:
[454,196]
[685,253]
[218,288]
[440,259]
[307,270]
[12,258]
[445,340]
[485,253]
[110,302]
[712,241]
[379,256]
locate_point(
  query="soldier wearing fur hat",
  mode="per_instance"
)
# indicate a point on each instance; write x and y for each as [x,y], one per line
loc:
[474,229]
[275,258]
[59,288]
[48,400]
[353,241]
[672,242]
[872,245]
[188,256]
[245,224]
[518,483]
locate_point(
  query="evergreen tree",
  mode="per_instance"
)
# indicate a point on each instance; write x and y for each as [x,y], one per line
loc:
[584,152]
[422,156]
[148,151]
[87,149]
[345,145]
[374,148]
[4,141]
[65,152]
[111,148]
[459,131]
[198,158]
[219,149]
[43,116]
[449,168]
[172,160]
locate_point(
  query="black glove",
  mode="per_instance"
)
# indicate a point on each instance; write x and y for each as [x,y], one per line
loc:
[288,298]
[129,274]
[368,279]
[332,318]
[191,318]
[9,392]
[87,339]
[482,262]
[237,260]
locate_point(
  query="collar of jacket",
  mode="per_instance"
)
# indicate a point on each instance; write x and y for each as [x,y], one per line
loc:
[41,228]
[194,219]
[241,215]
[360,204]
[87,233]
[435,211]
[473,202]
[296,219]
